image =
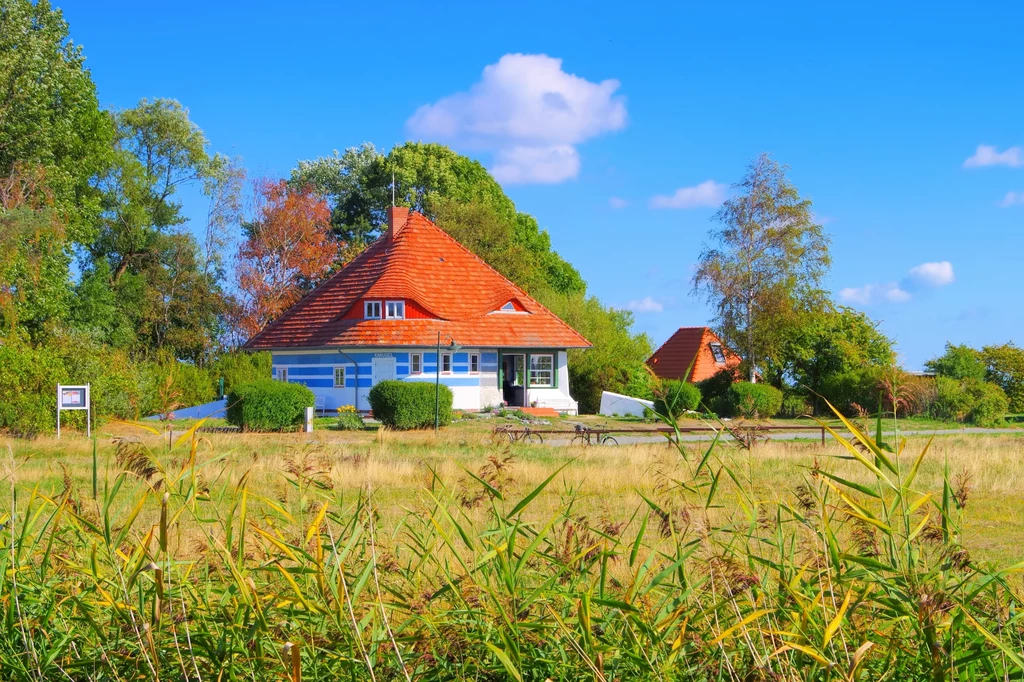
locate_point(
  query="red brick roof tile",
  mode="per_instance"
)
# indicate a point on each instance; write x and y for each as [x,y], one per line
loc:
[421,263]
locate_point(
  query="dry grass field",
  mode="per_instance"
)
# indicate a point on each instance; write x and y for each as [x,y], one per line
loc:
[606,482]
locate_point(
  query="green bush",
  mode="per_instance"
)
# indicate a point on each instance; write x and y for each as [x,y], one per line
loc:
[755,401]
[268,405]
[409,404]
[29,377]
[969,401]
[990,404]
[239,368]
[856,388]
[714,391]
[795,405]
[675,398]
[28,384]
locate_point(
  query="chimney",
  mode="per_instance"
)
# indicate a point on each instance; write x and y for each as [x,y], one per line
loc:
[398,216]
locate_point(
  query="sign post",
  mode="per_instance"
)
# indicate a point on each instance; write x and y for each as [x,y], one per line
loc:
[74,398]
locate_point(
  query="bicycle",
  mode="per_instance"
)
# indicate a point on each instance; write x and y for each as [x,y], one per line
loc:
[585,436]
[515,435]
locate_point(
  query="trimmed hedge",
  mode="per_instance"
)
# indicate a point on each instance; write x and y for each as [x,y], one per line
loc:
[268,405]
[675,398]
[409,404]
[755,401]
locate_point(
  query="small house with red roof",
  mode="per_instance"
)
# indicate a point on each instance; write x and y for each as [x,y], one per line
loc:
[692,354]
[383,316]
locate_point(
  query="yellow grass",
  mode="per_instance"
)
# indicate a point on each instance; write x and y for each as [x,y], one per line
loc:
[607,481]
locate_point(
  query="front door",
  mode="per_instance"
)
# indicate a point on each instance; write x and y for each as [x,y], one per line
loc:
[383,370]
[513,379]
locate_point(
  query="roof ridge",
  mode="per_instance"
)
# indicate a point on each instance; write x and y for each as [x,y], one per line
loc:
[453,240]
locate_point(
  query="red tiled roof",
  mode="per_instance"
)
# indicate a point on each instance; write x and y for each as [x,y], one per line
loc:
[418,262]
[689,349]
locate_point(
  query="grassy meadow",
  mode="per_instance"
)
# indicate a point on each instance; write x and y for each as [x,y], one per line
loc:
[383,555]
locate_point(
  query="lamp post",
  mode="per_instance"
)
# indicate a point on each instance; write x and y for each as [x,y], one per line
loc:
[437,378]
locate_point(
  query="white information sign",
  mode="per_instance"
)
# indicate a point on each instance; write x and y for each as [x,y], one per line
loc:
[74,398]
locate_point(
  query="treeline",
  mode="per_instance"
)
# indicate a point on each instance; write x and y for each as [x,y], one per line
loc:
[105,279]
[762,272]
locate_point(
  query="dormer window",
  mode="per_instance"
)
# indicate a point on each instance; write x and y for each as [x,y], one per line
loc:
[718,353]
[508,308]
[371,310]
[395,310]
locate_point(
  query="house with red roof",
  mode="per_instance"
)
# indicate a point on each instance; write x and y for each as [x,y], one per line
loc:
[383,316]
[692,354]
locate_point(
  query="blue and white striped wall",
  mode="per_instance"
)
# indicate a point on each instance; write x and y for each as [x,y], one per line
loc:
[315,369]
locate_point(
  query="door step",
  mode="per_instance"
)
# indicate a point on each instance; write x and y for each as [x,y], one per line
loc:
[539,411]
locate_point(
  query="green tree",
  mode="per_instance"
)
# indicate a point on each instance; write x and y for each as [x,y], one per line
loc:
[34,256]
[355,185]
[49,114]
[958,362]
[431,178]
[765,262]
[1005,367]
[158,277]
[821,344]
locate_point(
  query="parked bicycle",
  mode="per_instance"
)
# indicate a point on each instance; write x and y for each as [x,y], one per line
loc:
[513,434]
[586,436]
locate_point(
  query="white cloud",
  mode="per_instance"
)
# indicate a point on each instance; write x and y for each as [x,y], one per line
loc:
[527,111]
[987,155]
[616,202]
[932,274]
[925,275]
[645,305]
[874,293]
[1012,199]
[707,193]
[536,164]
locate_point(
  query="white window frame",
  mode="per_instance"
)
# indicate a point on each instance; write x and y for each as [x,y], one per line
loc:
[282,374]
[400,309]
[342,370]
[446,359]
[369,307]
[532,371]
[415,363]
[474,363]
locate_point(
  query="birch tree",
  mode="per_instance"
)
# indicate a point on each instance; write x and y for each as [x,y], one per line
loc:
[764,262]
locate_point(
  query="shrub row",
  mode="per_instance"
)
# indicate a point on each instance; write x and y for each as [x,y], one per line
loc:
[409,404]
[268,405]
[122,387]
[719,394]
[970,401]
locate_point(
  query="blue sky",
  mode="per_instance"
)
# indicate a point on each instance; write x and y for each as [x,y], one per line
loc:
[879,109]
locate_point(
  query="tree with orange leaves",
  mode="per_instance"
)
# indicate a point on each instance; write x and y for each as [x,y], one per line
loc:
[288,250]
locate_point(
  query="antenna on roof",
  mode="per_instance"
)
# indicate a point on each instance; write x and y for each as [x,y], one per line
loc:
[392,189]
